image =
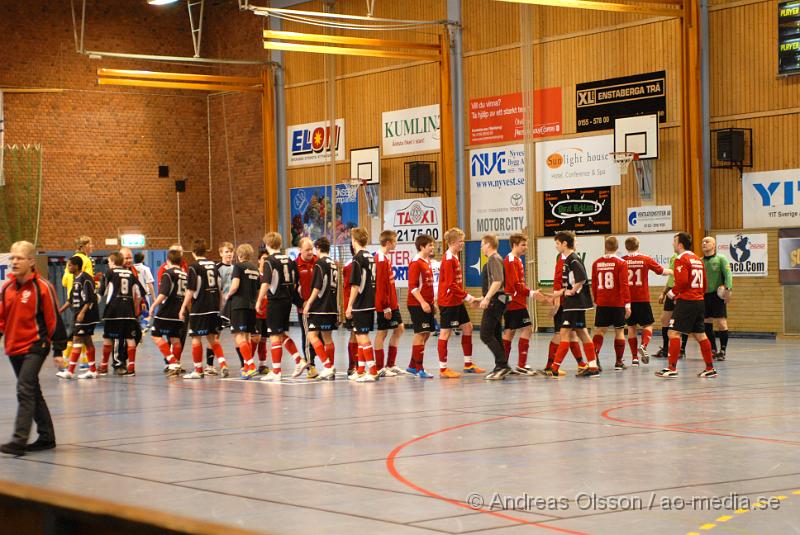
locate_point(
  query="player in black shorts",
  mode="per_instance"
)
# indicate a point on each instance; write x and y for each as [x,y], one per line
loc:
[361,306]
[119,285]
[167,322]
[242,297]
[260,337]
[83,302]
[321,311]
[279,284]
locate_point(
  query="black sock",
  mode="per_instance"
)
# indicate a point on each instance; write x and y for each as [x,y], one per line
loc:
[684,339]
[723,339]
[665,338]
[241,360]
[711,337]
[209,357]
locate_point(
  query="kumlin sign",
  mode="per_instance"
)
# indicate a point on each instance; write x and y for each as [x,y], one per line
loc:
[411,130]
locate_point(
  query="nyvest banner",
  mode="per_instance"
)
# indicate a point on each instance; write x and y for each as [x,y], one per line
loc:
[497,191]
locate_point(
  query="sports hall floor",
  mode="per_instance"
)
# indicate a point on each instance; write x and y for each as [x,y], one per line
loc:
[403,455]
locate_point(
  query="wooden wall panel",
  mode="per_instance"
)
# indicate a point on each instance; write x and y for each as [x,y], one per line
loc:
[489,24]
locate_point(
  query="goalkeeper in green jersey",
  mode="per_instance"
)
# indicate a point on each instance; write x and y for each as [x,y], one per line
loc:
[720,284]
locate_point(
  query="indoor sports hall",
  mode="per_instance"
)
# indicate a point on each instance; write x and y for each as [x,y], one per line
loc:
[418,266]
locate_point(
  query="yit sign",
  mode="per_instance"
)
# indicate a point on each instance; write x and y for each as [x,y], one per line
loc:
[771,199]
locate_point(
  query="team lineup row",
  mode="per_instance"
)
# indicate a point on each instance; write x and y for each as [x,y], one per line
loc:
[256,301]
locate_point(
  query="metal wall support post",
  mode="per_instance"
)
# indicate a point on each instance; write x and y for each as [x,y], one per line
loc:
[705,82]
[457,83]
[280,133]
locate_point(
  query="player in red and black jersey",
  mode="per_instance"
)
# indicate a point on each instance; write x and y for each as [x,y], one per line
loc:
[516,317]
[387,309]
[203,302]
[123,294]
[321,309]
[279,284]
[361,305]
[613,299]
[452,310]
[639,268]
[352,344]
[304,264]
[259,338]
[421,305]
[242,297]
[689,315]
[167,322]
[83,301]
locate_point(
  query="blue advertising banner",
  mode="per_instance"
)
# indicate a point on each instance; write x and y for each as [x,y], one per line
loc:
[474,261]
[309,209]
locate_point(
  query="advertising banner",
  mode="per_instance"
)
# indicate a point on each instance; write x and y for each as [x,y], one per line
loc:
[311,143]
[413,217]
[582,162]
[649,218]
[5,266]
[789,255]
[474,260]
[497,191]
[411,130]
[747,253]
[583,211]
[771,199]
[502,119]
[309,209]
[599,103]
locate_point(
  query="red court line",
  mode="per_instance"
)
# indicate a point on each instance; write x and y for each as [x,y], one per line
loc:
[734,419]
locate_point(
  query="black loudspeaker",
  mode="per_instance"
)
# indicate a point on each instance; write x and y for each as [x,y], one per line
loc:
[420,176]
[180,186]
[163,171]
[730,146]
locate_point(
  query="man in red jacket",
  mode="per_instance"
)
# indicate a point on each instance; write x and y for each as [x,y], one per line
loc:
[516,317]
[613,299]
[305,270]
[30,321]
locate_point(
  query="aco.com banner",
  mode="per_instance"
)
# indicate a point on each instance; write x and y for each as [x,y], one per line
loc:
[747,253]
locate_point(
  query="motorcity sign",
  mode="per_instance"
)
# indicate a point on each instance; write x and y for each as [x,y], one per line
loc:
[497,188]
[311,143]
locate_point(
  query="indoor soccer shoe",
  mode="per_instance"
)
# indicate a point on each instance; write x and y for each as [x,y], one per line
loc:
[386,372]
[548,372]
[130,372]
[327,374]
[299,368]
[524,370]
[397,370]
[708,373]
[635,362]
[367,378]
[472,368]
[588,372]
[224,371]
[447,373]
[194,375]
[719,355]
[644,354]
[65,374]
[619,366]
[354,376]
[424,375]
[88,375]
[312,372]
[412,371]
[210,370]
[667,373]
[272,377]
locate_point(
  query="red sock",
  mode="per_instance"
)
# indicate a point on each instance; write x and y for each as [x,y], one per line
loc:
[73,357]
[561,352]
[177,350]
[634,347]
[290,346]
[417,355]
[277,354]
[90,354]
[246,349]
[588,347]
[390,362]
[507,347]
[106,354]
[647,334]
[352,351]
[674,352]
[379,358]
[253,347]
[163,346]
[619,349]
[262,352]
[330,351]
[551,354]
[131,357]
[441,346]
[523,352]
[197,356]
[575,348]
[369,360]
[466,347]
[319,349]
[361,364]
[705,350]
[217,349]
[598,344]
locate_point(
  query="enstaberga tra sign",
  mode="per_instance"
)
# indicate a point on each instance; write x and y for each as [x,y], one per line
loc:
[411,130]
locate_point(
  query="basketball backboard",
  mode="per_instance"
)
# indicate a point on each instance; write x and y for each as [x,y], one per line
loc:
[365,164]
[637,134]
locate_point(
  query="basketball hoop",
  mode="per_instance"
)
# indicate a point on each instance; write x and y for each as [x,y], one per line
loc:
[623,160]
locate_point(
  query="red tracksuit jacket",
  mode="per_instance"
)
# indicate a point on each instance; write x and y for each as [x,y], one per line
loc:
[29,317]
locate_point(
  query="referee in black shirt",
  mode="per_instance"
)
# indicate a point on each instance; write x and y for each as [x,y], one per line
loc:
[493,305]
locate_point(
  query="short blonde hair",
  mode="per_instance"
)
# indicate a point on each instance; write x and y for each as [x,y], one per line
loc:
[388,236]
[225,245]
[273,240]
[24,247]
[82,241]
[453,234]
[612,244]
[632,244]
[491,239]
[245,252]
[360,235]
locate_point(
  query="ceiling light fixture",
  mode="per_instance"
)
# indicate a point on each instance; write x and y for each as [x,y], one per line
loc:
[160,2]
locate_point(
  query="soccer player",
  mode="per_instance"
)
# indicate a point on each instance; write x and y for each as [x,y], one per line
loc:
[242,297]
[352,345]
[167,323]
[613,299]
[641,317]
[202,302]
[279,284]
[493,305]
[304,264]
[83,248]
[421,303]
[83,302]
[361,306]
[452,312]
[666,315]
[30,322]
[387,310]
[321,309]
[516,317]
[258,339]
[225,269]
[119,285]
[689,314]
[577,300]
[720,281]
